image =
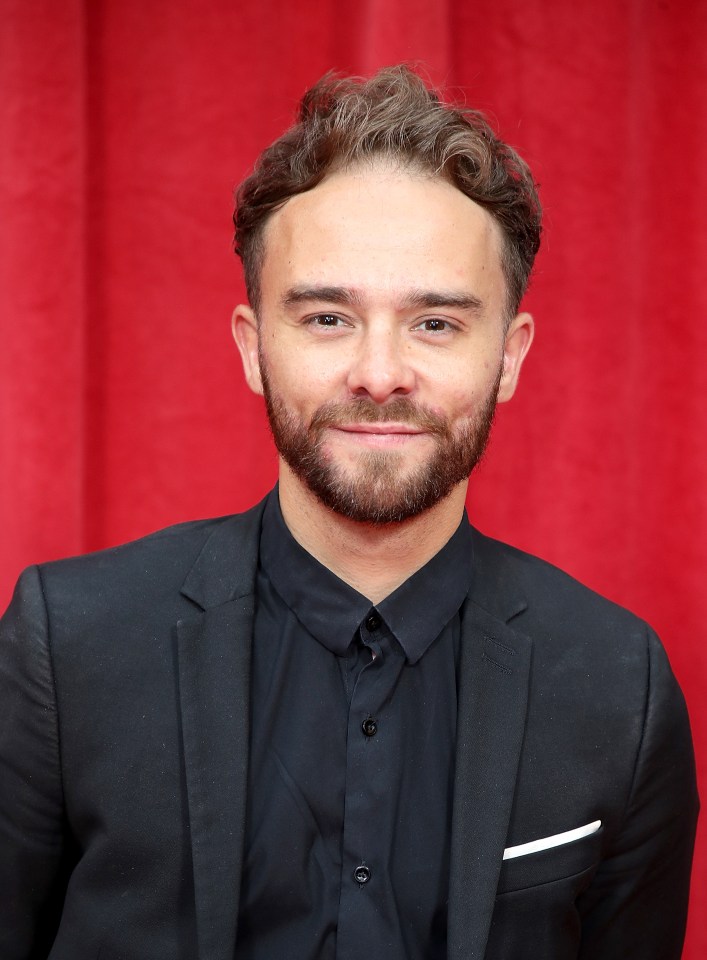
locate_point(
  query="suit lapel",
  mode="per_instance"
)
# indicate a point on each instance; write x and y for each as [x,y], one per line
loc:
[214,650]
[493,692]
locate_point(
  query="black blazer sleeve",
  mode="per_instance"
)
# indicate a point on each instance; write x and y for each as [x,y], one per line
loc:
[32,847]
[637,903]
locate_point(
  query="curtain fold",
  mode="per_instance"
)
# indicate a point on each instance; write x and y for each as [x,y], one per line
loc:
[42,280]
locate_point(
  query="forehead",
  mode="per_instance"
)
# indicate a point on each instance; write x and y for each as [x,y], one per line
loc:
[383,228]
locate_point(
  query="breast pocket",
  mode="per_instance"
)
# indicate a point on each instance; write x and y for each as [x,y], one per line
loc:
[555,863]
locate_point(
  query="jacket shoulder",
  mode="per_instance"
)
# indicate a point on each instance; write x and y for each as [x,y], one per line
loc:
[151,569]
[549,595]
[179,543]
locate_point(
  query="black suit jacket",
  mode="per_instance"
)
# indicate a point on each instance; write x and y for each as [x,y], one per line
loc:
[124,715]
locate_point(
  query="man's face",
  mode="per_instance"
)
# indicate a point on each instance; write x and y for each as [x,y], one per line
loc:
[380,345]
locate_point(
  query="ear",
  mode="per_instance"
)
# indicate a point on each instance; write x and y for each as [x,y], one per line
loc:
[245,332]
[519,337]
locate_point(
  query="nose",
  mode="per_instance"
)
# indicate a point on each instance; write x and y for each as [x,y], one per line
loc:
[380,368]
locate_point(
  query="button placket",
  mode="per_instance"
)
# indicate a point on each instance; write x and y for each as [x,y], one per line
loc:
[368,754]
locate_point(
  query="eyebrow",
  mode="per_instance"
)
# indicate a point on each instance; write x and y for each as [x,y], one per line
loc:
[347,296]
[443,298]
[344,296]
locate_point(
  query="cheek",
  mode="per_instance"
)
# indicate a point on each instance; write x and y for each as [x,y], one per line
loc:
[464,398]
[302,386]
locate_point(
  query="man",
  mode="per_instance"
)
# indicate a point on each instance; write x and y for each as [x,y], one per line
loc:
[345,724]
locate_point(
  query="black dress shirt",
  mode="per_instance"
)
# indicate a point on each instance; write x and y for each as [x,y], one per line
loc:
[352,758]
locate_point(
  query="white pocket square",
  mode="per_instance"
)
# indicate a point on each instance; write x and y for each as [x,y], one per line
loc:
[556,840]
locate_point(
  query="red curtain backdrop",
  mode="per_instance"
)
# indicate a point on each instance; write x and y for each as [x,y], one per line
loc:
[126,124]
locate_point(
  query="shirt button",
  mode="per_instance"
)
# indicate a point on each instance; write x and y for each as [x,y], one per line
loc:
[373,622]
[369,727]
[362,874]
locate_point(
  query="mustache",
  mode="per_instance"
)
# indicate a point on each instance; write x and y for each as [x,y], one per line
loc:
[364,410]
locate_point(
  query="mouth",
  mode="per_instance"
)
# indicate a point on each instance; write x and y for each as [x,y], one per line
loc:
[379,428]
[378,434]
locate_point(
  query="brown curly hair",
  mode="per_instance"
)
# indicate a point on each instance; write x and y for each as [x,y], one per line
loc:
[345,121]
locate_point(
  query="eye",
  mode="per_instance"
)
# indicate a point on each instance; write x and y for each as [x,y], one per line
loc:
[326,320]
[435,325]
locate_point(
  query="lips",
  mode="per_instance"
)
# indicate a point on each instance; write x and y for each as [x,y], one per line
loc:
[381,429]
[380,436]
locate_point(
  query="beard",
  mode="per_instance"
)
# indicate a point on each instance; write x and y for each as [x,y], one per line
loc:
[378,489]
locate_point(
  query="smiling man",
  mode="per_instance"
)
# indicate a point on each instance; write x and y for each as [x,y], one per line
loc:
[382,341]
[345,724]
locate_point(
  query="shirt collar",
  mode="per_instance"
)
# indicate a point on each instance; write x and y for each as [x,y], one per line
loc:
[332,611]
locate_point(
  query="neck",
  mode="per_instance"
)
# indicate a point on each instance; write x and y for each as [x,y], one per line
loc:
[372,558]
